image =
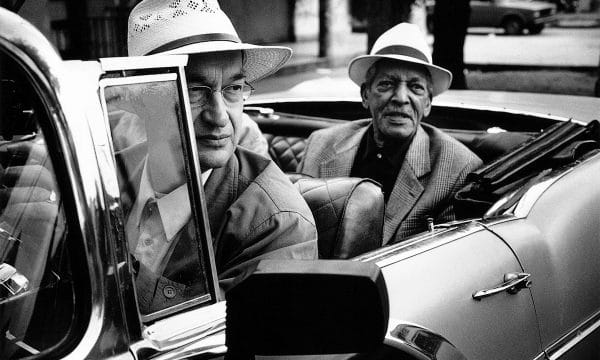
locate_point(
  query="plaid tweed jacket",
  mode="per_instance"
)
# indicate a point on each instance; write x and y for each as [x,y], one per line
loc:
[435,167]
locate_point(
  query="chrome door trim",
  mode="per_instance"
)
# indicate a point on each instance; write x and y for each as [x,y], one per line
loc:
[574,337]
[420,243]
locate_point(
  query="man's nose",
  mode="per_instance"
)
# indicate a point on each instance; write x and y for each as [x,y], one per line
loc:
[214,112]
[400,93]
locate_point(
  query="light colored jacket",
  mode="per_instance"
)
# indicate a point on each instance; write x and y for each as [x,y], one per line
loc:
[435,167]
[254,213]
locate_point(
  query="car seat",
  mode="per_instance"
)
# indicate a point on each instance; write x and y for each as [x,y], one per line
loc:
[348,212]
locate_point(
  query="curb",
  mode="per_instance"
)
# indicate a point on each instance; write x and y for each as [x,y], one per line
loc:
[578,24]
[523,67]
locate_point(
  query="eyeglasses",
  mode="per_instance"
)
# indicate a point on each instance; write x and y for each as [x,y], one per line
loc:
[232,94]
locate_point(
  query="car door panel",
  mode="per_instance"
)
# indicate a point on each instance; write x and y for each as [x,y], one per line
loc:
[558,243]
[441,282]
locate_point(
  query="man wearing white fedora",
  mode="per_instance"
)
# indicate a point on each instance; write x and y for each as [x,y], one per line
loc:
[418,166]
[254,211]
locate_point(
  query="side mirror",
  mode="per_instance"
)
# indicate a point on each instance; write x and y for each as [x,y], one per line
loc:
[294,307]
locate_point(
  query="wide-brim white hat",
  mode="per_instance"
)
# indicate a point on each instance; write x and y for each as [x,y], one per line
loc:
[406,43]
[195,27]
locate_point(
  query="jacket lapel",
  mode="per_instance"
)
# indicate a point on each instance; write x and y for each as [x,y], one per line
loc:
[130,164]
[220,191]
[407,188]
[344,151]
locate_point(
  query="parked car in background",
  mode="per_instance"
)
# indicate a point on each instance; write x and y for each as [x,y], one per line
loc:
[515,277]
[514,16]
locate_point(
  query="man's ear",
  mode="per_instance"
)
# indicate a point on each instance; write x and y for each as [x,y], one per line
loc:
[364,94]
[427,108]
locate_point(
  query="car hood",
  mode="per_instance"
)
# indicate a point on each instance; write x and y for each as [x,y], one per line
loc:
[582,108]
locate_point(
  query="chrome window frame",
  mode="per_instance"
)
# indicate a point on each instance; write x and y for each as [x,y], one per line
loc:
[72,140]
[171,68]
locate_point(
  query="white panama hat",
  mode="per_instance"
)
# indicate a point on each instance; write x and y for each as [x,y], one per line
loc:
[404,42]
[196,26]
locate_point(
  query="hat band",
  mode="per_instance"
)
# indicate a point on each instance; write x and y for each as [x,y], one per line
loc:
[402,50]
[193,40]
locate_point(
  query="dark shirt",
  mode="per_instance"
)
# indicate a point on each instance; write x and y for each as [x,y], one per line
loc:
[379,164]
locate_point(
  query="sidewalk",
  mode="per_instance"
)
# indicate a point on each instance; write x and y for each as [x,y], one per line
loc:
[579,20]
[484,51]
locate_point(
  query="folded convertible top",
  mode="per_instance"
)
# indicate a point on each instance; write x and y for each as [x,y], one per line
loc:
[556,146]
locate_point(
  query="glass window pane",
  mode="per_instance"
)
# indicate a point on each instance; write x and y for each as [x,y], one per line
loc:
[159,228]
[38,304]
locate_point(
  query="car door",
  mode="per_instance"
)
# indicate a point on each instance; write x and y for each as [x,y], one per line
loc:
[554,232]
[432,282]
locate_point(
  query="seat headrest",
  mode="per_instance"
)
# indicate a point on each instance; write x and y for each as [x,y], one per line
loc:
[348,213]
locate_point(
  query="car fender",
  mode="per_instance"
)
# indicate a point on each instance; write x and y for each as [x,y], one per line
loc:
[443,270]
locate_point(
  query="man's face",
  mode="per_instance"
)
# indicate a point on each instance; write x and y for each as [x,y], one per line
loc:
[398,98]
[216,118]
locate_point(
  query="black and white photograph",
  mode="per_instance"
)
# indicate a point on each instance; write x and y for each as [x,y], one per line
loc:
[300,179]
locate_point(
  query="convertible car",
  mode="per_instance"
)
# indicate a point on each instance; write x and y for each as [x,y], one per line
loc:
[517,276]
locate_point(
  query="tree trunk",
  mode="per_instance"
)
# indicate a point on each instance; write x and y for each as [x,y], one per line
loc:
[597,87]
[384,14]
[292,25]
[324,30]
[334,27]
[450,23]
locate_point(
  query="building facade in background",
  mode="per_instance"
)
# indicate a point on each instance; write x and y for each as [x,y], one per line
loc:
[90,29]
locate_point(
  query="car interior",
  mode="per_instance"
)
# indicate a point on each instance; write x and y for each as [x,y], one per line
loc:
[517,149]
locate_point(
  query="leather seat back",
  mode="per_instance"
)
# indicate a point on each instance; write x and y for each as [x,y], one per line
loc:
[348,212]
[286,151]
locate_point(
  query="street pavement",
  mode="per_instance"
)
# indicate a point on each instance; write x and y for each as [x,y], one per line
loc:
[574,43]
[553,48]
